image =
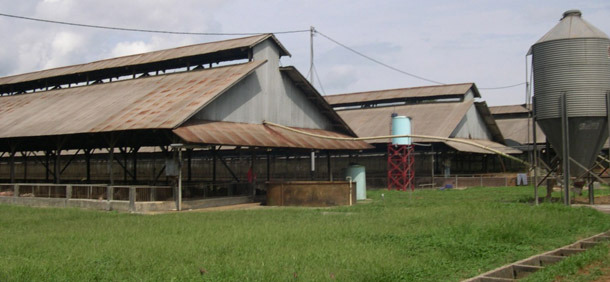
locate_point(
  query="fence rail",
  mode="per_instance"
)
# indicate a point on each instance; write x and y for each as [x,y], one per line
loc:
[88,191]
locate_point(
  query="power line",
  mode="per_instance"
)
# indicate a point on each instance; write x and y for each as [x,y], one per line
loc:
[502,87]
[315,71]
[404,72]
[377,61]
[144,30]
[243,33]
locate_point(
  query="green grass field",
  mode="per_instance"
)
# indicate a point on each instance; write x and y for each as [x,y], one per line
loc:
[427,235]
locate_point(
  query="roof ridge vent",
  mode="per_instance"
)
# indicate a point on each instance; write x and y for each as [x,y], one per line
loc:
[573,12]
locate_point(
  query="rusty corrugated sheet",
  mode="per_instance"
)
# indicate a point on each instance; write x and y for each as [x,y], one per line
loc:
[158,102]
[145,58]
[487,143]
[510,109]
[258,135]
[414,92]
[435,119]
[518,129]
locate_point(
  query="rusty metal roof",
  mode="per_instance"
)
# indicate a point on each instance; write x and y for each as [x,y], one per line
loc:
[157,102]
[435,119]
[519,130]
[259,135]
[436,91]
[462,147]
[508,109]
[177,57]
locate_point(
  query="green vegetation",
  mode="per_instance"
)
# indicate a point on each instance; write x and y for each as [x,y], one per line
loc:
[586,266]
[426,235]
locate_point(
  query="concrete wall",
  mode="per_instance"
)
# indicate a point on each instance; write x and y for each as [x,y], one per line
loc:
[472,126]
[268,95]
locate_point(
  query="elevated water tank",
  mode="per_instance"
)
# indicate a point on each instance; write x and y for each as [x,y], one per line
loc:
[573,59]
[401,125]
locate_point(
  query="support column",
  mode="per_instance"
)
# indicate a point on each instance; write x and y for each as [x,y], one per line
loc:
[12,163]
[25,166]
[312,165]
[47,160]
[189,170]
[124,153]
[268,165]
[328,166]
[591,192]
[253,178]
[213,165]
[110,160]
[57,164]
[88,164]
[566,149]
[134,164]
[535,151]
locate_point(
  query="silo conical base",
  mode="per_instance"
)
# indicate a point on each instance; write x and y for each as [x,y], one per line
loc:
[587,136]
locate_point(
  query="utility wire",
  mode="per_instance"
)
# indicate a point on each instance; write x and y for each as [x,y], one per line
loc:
[502,87]
[402,71]
[145,30]
[315,71]
[242,33]
[376,61]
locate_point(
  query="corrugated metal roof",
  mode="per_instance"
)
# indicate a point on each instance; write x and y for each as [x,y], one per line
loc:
[146,58]
[157,102]
[462,147]
[435,119]
[414,92]
[517,129]
[259,135]
[509,109]
[572,25]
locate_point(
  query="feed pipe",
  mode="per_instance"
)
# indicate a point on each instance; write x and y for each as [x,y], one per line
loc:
[399,136]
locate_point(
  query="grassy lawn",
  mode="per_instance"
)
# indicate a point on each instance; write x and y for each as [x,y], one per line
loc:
[426,235]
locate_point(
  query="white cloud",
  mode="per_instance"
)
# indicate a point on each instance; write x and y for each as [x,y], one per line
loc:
[448,41]
[130,48]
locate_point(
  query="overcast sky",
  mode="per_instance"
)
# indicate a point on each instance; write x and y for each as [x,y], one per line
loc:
[446,41]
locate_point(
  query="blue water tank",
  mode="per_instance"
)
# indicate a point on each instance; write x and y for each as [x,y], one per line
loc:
[358,175]
[401,125]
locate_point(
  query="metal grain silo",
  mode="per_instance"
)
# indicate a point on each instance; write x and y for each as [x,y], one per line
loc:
[572,63]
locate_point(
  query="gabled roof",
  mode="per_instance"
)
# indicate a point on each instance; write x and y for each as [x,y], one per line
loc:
[402,94]
[157,102]
[519,130]
[508,109]
[435,119]
[432,119]
[192,55]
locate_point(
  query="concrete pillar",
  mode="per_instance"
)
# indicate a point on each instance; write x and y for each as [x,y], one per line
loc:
[110,193]
[68,192]
[132,199]
[57,169]
[12,164]
[16,190]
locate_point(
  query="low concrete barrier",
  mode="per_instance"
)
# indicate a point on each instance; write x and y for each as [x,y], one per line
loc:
[311,193]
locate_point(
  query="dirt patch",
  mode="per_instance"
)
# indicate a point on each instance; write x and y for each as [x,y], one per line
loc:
[599,200]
